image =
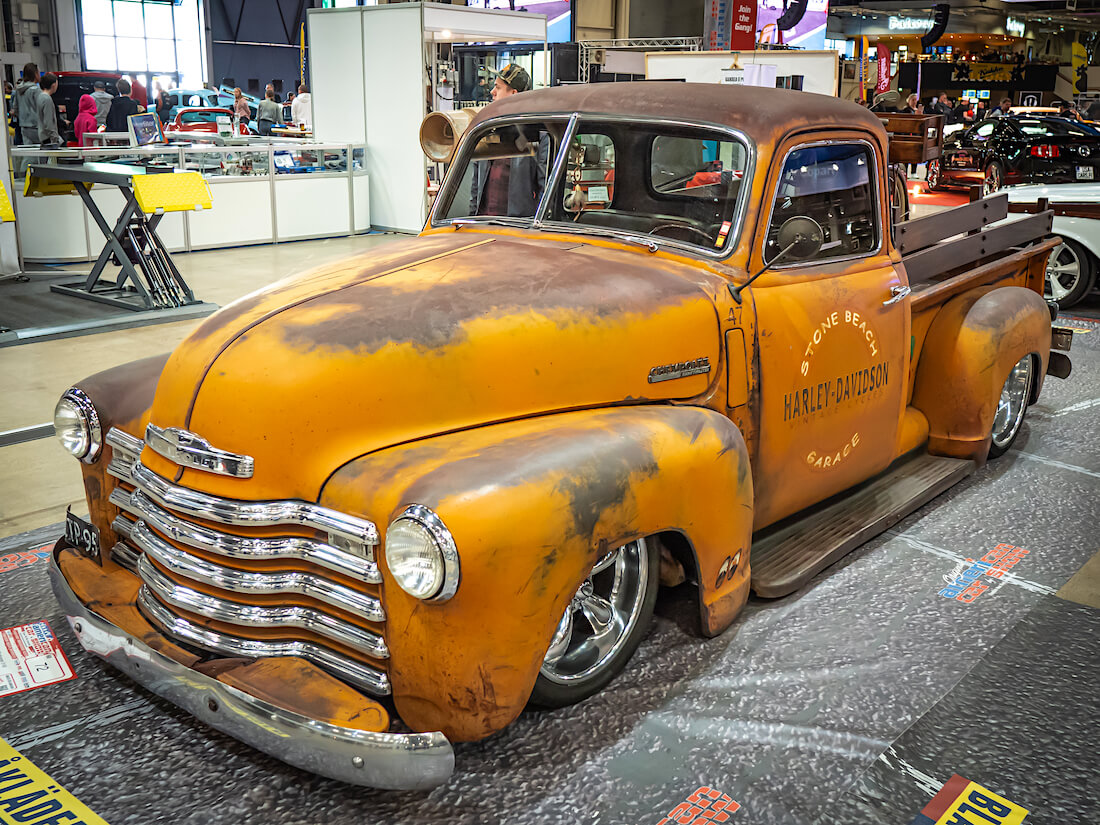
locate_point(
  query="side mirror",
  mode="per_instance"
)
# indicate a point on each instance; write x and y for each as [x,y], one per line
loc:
[799,239]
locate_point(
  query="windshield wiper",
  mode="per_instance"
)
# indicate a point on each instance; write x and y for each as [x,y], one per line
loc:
[458,223]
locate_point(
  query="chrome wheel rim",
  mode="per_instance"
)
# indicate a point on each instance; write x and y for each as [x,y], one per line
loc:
[601,615]
[932,177]
[992,179]
[1063,272]
[1013,403]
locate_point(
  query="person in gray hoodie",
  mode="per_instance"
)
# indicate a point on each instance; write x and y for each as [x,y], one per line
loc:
[102,100]
[24,105]
[47,112]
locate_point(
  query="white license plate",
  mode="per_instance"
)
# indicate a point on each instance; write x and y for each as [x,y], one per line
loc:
[1084,173]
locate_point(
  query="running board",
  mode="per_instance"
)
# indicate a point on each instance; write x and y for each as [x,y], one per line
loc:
[786,559]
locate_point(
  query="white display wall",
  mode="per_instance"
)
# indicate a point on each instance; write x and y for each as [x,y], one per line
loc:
[819,69]
[368,84]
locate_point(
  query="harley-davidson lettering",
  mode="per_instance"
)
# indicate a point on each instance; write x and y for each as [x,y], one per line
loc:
[700,366]
[820,397]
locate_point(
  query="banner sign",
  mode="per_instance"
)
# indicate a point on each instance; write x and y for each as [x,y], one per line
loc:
[744,25]
[883,83]
[717,24]
[1080,69]
[984,72]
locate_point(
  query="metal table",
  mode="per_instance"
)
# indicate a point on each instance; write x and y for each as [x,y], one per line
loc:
[149,279]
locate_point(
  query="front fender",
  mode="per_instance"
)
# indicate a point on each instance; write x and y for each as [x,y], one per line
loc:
[122,397]
[972,344]
[531,505]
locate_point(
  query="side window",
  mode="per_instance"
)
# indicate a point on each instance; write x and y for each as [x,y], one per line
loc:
[835,185]
[589,173]
[695,168]
[984,131]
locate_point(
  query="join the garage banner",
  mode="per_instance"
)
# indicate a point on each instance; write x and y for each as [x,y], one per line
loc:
[741,24]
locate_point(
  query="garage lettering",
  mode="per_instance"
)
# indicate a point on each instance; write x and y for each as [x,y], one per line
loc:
[809,400]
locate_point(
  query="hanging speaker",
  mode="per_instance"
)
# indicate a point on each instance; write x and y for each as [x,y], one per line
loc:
[939,25]
[793,13]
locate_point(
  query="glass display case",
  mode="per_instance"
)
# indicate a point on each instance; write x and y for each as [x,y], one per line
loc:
[262,192]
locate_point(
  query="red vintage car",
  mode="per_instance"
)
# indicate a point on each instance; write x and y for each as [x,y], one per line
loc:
[201,119]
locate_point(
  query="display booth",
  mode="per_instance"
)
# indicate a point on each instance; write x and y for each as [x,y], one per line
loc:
[372,68]
[818,70]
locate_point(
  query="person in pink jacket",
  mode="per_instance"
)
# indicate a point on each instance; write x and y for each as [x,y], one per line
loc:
[85,119]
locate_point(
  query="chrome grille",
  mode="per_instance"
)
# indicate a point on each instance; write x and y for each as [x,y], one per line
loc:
[159,538]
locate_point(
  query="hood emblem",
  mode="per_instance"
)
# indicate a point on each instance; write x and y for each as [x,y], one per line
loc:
[190,450]
[700,366]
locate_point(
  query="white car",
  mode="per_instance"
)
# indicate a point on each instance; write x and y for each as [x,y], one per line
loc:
[1073,266]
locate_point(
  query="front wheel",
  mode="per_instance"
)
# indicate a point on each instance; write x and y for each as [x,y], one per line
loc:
[933,176]
[1015,396]
[602,626]
[1070,274]
[994,178]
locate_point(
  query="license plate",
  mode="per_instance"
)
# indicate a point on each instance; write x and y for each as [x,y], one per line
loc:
[1084,173]
[80,533]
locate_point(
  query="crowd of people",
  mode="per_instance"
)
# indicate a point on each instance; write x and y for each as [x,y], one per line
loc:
[38,121]
[966,111]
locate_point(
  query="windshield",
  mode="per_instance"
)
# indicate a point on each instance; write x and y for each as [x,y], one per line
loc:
[202,117]
[1055,128]
[669,182]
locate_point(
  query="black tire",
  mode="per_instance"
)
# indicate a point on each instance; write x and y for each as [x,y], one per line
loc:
[899,196]
[933,175]
[1015,397]
[1071,273]
[581,666]
[994,178]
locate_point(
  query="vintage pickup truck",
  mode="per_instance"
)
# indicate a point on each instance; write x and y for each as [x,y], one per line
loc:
[651,333]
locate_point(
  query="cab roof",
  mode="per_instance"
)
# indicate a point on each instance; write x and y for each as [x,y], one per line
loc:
[763,114]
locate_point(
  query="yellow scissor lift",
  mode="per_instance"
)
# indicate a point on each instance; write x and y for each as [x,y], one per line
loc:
[149,279]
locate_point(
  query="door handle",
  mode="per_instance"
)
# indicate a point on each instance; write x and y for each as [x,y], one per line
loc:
[897,293]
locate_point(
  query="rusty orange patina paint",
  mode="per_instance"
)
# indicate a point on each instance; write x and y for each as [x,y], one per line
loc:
[531,505]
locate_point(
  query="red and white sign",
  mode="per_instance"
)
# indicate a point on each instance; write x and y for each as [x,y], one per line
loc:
[883,83]
[30,658]
[743,36]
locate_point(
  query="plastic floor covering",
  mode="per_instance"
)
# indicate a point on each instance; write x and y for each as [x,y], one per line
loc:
[854,700]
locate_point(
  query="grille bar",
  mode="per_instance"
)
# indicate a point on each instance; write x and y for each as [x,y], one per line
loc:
[251,513]
[245,615]
[241,547]
[240,581]
[362,676]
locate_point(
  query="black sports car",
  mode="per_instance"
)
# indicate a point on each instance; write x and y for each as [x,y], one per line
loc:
[1006,150]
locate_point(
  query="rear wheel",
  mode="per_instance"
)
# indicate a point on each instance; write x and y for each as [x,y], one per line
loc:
[1015,395]
[994,178]
[933,176]
[1071,272]
[602,626]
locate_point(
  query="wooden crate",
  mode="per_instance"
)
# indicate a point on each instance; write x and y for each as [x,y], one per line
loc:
[913,138]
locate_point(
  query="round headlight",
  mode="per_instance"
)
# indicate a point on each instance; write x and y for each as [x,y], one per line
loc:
[421,554]
[76,424]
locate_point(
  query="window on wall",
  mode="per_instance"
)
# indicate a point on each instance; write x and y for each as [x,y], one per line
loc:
[145,37]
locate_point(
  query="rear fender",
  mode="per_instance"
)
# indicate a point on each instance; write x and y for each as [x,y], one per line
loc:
[532,505]
[972,344]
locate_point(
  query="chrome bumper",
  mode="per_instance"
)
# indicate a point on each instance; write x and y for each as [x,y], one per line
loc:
[413,761]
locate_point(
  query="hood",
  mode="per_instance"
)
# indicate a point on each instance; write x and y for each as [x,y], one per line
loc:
[442,333]
[88,105]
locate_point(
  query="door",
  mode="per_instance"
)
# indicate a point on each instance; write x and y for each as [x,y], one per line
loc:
[832,331]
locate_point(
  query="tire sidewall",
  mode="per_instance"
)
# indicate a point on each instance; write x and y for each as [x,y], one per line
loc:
[547,694]
[1086,278]
[994,450]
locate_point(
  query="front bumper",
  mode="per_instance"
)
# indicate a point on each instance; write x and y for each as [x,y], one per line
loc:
[413,761]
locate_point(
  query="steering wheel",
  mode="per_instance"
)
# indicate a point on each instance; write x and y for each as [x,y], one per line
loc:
[681,226]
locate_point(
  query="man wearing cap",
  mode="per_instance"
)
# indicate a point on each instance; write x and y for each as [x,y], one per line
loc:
[102,100]
[510,186]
